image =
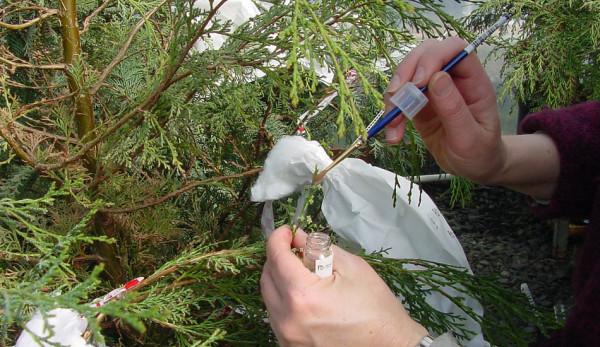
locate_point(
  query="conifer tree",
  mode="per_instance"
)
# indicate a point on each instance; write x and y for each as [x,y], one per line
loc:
[551,52]
[127,152]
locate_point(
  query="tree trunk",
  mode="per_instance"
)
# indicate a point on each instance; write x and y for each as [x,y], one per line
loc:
[104,224]
[85,122]
[84,113]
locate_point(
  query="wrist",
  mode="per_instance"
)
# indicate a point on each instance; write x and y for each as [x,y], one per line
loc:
[418,337]
[492,170]
[527,163]
[499,167]
[410,335]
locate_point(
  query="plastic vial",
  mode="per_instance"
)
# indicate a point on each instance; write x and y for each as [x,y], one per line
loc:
[318,256]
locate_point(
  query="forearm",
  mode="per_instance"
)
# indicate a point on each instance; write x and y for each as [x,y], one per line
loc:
[531,165]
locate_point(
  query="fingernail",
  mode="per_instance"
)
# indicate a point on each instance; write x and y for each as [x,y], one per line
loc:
[441,85]
[391,135]
[393,84]
[419,75]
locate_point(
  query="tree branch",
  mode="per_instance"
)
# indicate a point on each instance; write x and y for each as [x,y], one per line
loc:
[46,13]
[39,103]
[15,65]
[6,121]
[46,134]
[146,104]
[187,187]
[121,54]
[15,145]
[180,77]
[24,86]
[155,277]
[87,21]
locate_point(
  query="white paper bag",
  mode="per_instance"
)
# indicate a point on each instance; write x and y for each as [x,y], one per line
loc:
[62,327]
[358,205]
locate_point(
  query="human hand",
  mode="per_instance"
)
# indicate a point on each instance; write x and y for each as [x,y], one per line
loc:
[353,307]
[460,124]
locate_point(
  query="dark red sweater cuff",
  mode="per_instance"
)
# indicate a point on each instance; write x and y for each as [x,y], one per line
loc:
[575,131]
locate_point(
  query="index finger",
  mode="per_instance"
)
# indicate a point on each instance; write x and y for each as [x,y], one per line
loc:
[405,71]
[285,266]
[431,56]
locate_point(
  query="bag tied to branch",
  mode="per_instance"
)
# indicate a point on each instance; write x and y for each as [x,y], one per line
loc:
[370,208]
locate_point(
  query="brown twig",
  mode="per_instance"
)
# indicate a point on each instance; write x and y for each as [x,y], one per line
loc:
[15,65]
[13,257]
[39,103]
[24,86]
[187,187]
[124,47]
[262,131]
[214,67]
[257,146]
[240,210]
[345,13]
[236,149]
[47,12]
[88,19]
[262,27]
[46,134]
[16,146]
[179,77]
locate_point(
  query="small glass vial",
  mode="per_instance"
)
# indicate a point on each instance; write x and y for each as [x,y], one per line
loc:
[318,256]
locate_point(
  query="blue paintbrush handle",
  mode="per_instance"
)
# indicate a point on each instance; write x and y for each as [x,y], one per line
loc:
[395,112]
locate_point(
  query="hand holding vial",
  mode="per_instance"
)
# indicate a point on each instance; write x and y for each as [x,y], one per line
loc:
[352,307]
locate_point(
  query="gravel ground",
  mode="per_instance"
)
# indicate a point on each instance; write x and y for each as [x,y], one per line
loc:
[501,236]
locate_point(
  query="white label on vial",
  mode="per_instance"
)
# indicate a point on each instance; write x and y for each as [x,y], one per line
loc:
[324,266]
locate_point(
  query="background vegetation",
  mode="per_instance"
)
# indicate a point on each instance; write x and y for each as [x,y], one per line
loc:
[126,152]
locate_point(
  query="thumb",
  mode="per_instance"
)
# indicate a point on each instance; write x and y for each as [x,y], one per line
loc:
[299,240]
[450,106]
[280,239]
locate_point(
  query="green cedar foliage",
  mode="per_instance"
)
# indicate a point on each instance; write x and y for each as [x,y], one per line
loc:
[124,152]
[552,51]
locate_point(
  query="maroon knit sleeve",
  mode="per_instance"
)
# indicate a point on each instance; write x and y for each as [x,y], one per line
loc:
[576,133]
[582,327]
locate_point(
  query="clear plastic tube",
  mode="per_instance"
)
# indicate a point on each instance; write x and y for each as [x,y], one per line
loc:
[318,256]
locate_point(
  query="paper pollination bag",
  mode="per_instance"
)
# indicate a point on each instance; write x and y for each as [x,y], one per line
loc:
[358,205]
